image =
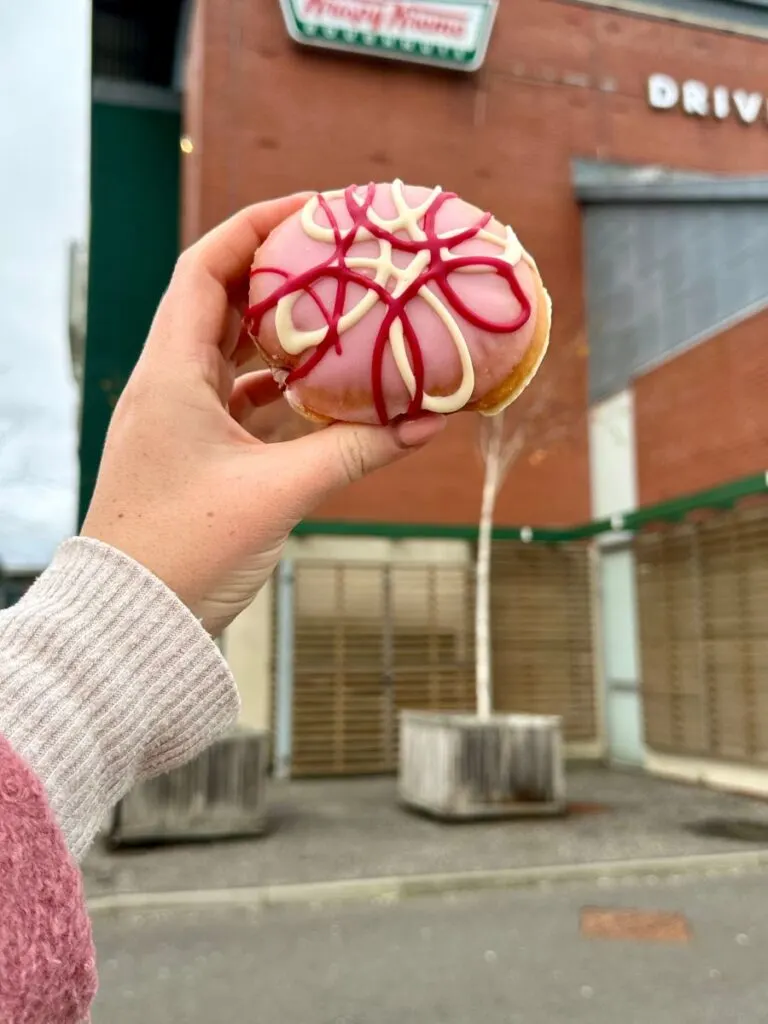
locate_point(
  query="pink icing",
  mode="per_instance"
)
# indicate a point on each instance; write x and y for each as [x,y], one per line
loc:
[353,375]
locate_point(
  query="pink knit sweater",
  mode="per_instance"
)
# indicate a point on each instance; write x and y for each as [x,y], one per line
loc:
[105,679]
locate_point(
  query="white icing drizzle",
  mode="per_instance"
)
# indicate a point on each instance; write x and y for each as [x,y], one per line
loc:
[408,219]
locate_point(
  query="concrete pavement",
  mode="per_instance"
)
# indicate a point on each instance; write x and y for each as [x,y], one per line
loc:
[332,831]
[504,958]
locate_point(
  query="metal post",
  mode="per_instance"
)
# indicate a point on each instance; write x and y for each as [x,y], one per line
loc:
[598,646]
[284,669]
[388,665]
[700,637]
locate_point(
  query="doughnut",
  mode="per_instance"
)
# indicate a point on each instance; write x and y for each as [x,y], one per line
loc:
[377,303]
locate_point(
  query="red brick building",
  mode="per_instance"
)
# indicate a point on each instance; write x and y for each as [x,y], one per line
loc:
[561,81]
[625,141]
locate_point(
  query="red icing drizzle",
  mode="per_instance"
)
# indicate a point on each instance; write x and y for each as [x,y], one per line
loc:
[437,270]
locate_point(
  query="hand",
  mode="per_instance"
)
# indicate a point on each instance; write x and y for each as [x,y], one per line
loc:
[184,488]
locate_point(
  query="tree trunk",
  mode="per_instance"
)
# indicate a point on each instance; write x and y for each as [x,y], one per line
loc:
[483,681]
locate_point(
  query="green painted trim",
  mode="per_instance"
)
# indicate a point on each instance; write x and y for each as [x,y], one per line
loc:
[133,245]
[392,531]
[723,496]
[383,44]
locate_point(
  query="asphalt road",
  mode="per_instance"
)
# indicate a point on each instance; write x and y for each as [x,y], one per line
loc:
[504,958]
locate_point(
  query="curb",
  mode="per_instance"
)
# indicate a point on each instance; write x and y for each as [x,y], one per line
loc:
[392,889]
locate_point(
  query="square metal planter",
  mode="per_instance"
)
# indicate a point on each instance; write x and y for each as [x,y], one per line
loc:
[220,794]
[459,767]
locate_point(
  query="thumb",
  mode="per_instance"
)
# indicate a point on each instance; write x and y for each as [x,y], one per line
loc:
[324,461]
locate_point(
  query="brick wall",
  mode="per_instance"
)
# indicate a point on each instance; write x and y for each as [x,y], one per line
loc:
[701,418]
[561,80]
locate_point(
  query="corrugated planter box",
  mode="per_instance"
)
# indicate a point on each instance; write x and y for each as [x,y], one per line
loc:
[457,766]
[222,793]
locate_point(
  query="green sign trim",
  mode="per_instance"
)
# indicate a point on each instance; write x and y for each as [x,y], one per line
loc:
[387,44]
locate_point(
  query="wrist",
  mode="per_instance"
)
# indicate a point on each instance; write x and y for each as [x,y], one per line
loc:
[107,678]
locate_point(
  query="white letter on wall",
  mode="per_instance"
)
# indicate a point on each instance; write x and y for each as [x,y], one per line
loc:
[721,102]
[663,92]
[748,105]
[695,98]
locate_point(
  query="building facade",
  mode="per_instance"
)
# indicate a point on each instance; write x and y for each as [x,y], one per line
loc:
[625,141]
[567,91]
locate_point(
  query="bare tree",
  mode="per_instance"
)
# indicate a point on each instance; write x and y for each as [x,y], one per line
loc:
[541,419]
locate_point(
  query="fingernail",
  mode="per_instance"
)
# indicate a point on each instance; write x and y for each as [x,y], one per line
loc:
[412,433]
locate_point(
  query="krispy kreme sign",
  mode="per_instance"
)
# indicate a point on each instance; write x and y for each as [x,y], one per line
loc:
[448,33]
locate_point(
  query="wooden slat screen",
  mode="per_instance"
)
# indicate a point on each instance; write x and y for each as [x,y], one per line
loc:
[669,600]
[370,639]
[703,606]
[543,639]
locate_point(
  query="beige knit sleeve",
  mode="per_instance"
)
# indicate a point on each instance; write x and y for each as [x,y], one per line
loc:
[106,678]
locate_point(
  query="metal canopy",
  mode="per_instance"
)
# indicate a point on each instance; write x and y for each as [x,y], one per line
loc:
[597,182]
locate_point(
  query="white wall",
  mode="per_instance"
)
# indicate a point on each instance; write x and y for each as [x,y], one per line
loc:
[247,646]
[612,456]
[724,775]
[44,126]
[613,474]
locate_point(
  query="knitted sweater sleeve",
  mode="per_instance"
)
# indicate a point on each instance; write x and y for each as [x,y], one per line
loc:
[105,679]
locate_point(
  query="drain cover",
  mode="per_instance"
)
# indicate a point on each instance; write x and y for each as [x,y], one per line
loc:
[747,830]
[638,925]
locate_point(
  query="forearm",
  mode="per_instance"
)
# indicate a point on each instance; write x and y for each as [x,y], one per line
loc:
[105,679]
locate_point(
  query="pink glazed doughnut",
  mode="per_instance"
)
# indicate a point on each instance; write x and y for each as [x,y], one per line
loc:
[376,303]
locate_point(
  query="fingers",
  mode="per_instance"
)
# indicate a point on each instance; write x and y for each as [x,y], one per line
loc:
[245,351]
[226,253]
[252,391]
[194,315]
[232,334]
[324,461]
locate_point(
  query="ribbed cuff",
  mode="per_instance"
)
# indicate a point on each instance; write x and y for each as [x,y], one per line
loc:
[106,678]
